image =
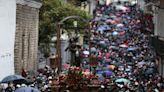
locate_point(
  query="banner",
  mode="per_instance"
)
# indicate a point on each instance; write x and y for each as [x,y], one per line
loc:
[7,37]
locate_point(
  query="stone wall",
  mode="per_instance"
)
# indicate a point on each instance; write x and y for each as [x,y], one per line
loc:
[26,40]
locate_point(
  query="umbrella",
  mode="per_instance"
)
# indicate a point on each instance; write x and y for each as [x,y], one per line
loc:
[100,77]
[106,16]
[132,49]
[99,72]
[86,46]
[141,63]
[113,22]
[125,29]
[86,52]
[102,42]
[97,19]
[120,7]
[120,25]
[14,79]
[107,54]
[116,63]
[101,2]
[27,89]
[93,49]
[122,33]
[112,67]
[115,33]
[113,16]
[108,20]
[103,27]
[150,71]
[107,60]
[118,20]
[112,47]
[108,73]
[124,45]
[122,80]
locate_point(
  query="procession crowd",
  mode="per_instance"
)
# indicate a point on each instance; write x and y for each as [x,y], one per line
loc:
[120,42]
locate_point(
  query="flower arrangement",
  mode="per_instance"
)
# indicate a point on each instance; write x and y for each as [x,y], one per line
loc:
[74,78]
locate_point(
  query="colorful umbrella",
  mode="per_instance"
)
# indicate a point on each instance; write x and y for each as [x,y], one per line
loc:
[115,33]
[103,28]
[124,45]
[108,20]
[132,48]
[112,67]
[107,73]
[122,33]
[122,80]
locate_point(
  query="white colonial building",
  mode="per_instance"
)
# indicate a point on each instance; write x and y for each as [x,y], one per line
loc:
[18,36]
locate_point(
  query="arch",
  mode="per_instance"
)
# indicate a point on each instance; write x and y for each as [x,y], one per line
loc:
[72,17]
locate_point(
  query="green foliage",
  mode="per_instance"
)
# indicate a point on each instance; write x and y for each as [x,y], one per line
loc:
[51,12]
[75,2]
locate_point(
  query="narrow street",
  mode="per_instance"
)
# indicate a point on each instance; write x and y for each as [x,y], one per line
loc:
[120,49]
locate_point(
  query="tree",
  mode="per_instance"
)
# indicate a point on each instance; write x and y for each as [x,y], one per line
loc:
[51,12]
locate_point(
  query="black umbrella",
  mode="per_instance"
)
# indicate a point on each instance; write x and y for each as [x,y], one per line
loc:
[150,71]
[17,79]
[27,89]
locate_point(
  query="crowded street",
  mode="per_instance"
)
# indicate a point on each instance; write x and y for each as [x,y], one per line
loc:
[116,56]
[120,44]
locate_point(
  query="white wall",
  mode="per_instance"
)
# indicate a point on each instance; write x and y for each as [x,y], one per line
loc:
[7,36]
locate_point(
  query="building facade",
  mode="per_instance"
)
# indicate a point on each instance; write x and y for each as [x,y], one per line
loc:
[7,35]
[26,37]
[156,8]
[159,33]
